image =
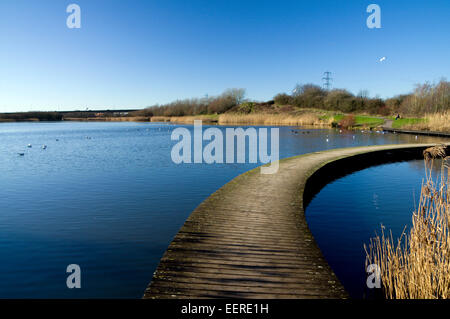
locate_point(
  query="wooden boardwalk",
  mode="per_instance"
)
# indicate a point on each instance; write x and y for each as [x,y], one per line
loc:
[250,239]
[388,123]
[428,133]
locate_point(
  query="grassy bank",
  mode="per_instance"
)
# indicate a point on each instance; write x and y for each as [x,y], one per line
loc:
[264,114]
[360,120]
[438,122]
[247,119]
[110,119]
[406,123]
[308,117]
[213,118]
[288,117]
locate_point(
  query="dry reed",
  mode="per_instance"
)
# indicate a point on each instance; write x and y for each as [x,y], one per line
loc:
[109,119]
[184,119]
[417,265]
[273,119]
[438,151]
[437,122]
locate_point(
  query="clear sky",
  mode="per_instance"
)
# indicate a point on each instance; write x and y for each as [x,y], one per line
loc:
[132,54]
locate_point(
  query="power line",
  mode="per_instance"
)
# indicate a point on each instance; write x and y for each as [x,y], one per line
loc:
[327,80]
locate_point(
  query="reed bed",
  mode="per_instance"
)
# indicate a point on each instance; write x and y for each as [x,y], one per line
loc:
[249,119]
[438,122]
[185,119]
[108,119]
[417,265]
[273,119]
[128,119]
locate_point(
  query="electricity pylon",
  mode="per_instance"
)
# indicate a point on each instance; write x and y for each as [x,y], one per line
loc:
[327,80]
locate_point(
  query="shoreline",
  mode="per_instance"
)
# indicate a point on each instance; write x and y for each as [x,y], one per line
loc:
[237,119]
[429,133]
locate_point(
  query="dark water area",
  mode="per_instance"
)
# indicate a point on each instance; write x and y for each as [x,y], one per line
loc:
[108,197]
[349,211]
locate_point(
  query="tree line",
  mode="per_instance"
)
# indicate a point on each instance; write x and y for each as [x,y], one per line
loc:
[425,98]
[41,116]
[197,106]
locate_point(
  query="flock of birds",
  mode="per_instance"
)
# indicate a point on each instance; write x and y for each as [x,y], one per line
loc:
[43,147]
[296,132]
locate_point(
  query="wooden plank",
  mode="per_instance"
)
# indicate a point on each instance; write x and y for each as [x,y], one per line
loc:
[250,239]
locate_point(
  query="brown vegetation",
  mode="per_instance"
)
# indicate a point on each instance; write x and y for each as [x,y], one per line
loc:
[184,119]
[109,119]
[313,96]
[438,151]
[431,101]
[417,265]
[197,106]
[348,121]
[426,98]
[272,119]
[438,122]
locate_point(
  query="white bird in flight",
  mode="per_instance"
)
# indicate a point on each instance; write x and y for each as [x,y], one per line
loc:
[382,59]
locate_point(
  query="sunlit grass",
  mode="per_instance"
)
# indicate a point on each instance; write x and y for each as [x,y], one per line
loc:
[360,120]
[406,122]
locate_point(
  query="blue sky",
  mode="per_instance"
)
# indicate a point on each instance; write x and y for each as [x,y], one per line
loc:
[132,54]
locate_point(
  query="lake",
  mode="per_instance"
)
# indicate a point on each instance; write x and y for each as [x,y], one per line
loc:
[108,197]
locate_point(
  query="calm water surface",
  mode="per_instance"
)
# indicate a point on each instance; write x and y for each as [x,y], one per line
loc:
[107,196]
[347,212]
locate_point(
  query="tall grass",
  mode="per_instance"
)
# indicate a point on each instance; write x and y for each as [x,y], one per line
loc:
[251,119]
[417,265]
[273,119]
[439,122]
[185,119]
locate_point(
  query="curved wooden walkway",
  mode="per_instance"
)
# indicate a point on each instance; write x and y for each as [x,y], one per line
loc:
[250,239]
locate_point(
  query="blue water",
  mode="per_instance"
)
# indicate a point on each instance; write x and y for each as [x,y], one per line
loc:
[107,196]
